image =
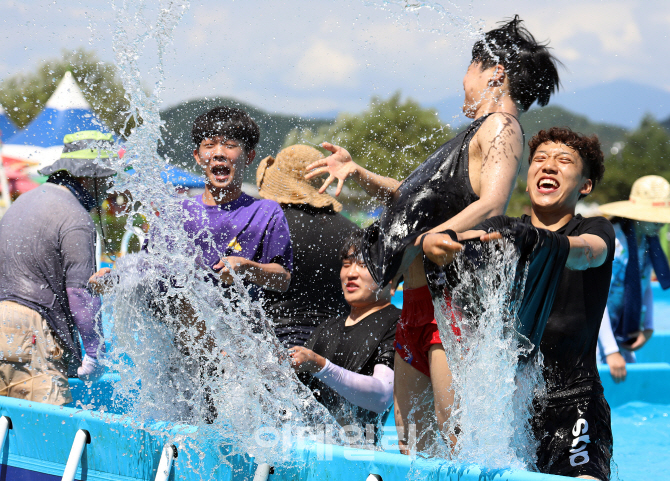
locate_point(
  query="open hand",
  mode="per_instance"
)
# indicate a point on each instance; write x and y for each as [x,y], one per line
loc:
[440,248]
[338,166]
[306,360]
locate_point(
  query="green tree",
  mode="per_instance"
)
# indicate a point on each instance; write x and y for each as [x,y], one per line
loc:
[24,95]
[392,137]
[646,151]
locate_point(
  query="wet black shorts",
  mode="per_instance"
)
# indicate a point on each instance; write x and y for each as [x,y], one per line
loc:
[575,435]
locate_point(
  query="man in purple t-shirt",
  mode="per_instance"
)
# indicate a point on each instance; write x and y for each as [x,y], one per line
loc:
[233,231]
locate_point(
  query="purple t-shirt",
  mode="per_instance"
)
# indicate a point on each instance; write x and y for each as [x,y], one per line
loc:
[246,227]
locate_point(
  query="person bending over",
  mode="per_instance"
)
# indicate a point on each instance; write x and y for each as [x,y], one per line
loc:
[467,180]
[572,420]
[47,259]
[348,360]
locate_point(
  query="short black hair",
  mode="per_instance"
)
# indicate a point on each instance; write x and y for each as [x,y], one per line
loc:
[352,247]
[228,122]
[531,69]
[587,147]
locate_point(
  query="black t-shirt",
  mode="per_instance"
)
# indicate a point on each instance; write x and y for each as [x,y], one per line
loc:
[571,335]
[315,293]
[357,348]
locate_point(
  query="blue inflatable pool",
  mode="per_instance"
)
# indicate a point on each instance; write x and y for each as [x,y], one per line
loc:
[38,440]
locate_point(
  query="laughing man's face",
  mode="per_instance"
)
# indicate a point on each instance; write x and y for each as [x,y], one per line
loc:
[555,178]
[224,162]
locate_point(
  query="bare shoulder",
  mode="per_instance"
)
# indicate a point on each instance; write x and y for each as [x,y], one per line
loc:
[500,127]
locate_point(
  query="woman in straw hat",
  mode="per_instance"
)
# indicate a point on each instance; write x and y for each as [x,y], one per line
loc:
[317,232]
[637,222]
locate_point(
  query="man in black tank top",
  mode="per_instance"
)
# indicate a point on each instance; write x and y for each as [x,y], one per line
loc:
[466,181]
[572,420]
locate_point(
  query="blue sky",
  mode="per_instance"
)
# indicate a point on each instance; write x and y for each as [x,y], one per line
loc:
[311,57]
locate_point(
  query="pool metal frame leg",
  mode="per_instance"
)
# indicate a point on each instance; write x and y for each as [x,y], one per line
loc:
[5,426]
[81,439]
[170,453]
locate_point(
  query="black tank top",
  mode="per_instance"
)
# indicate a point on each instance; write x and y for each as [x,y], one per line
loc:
[435,192]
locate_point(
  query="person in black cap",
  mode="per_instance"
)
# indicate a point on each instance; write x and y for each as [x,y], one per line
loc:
[47,258]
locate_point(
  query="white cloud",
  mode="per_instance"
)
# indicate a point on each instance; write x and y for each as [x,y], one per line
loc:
[323,65]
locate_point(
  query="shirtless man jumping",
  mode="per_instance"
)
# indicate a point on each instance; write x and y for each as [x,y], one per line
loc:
[467,180]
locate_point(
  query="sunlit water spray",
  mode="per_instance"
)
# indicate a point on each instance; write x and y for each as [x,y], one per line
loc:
[493,389]
[188,351]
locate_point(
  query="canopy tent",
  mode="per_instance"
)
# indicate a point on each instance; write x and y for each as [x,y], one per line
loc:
[41,142]
[7,127]
[180,178]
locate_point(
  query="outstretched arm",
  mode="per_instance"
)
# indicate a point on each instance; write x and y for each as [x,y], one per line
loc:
[341,166]
[586,251]
[374,393]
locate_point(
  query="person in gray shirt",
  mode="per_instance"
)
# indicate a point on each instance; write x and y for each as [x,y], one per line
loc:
[47,258]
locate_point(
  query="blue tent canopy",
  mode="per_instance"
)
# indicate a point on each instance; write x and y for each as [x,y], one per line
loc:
[182,178]
[179,178]
[41,142]
[7,127]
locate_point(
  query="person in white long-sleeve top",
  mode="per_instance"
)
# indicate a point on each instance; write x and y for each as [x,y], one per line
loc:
[348,360]
[628,322]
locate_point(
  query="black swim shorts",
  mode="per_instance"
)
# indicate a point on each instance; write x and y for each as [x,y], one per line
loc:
[575,435]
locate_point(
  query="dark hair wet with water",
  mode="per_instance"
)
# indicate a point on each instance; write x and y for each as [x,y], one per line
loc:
[352,248]
[227,122]
[587,147]
[531,69]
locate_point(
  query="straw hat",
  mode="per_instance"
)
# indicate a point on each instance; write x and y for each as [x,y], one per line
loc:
[283,179]
[649,201]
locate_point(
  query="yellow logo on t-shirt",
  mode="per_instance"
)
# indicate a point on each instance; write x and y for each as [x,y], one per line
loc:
[235,245]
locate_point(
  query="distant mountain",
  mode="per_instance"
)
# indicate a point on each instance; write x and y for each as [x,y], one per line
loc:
[621,103]
[178,147]
[666,124]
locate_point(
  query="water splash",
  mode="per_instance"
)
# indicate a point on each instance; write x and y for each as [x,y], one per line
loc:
[188,351]
[493,390]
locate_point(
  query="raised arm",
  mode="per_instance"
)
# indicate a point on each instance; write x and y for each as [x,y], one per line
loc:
[500,141]
[586,251]
[341,166]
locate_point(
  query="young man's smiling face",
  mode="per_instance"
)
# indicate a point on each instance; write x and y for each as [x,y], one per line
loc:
[556,178]
[224,162]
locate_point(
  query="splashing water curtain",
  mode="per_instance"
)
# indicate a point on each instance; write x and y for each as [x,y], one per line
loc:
[229,381]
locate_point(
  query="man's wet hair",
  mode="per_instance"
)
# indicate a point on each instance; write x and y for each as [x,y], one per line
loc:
[532,71]
[587,147]
[352,247]
[227,122]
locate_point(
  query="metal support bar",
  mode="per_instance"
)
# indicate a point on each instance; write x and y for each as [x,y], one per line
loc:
[167,459]
[5,426]
[81,439]
[263,472]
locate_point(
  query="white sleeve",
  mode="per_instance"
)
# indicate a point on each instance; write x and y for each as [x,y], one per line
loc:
[606,336]
[649,312]
[374,393]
